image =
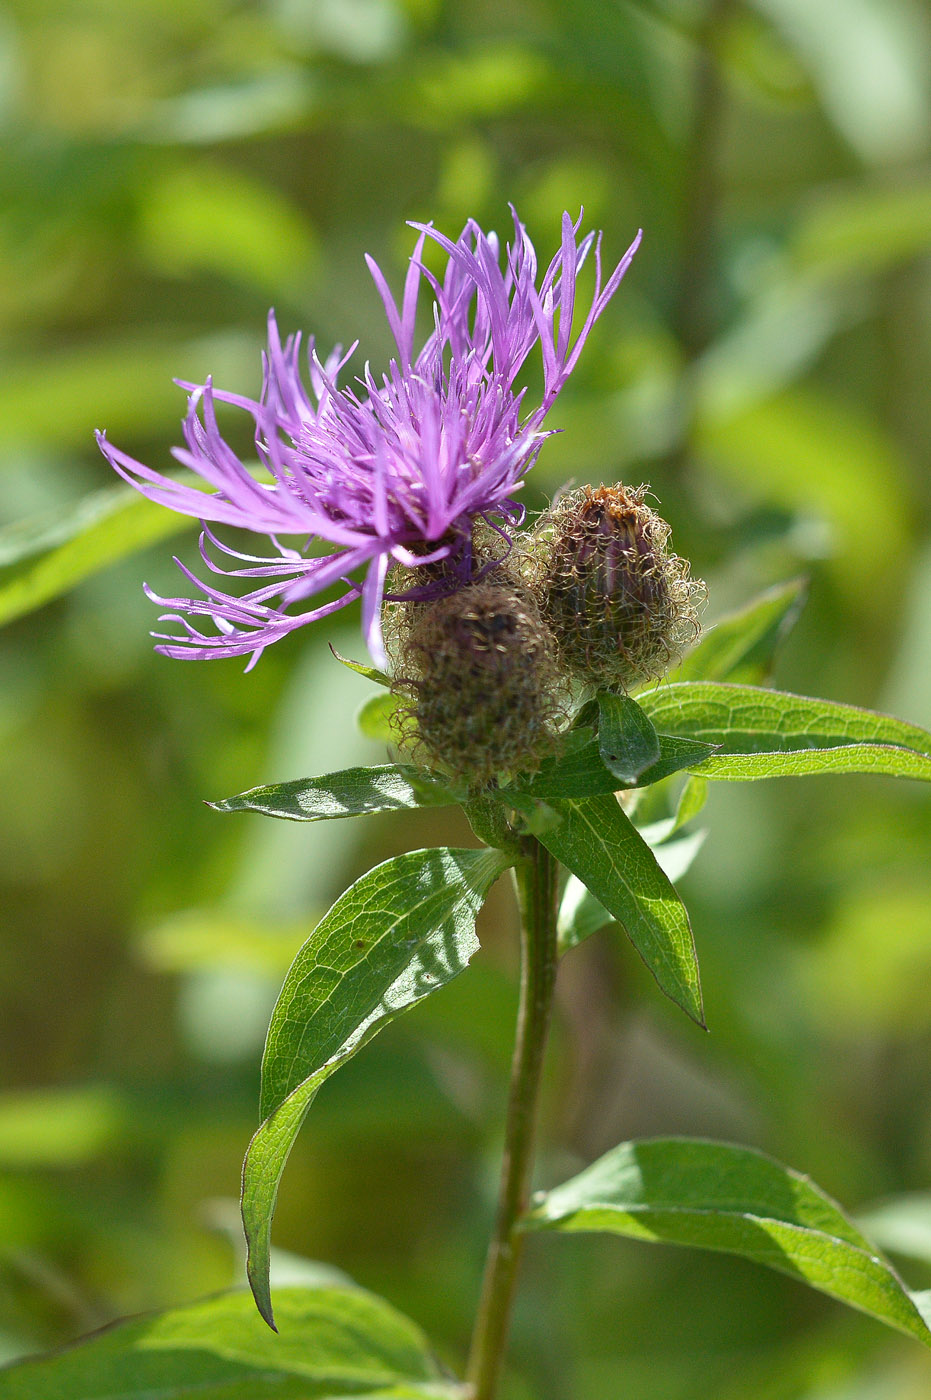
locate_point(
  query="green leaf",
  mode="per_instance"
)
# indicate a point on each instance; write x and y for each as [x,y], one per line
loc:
[802,451]
[374,717]
[769,733]
[627,741]
[349,793]
[46,557]
[581,771]
[743,645]
[675,858]
[581,914]
[597,842]
[362,669]
[692,799]
[401,931]
[334,1343]
[717,1196]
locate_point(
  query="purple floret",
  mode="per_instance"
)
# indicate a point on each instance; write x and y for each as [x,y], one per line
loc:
[387,471]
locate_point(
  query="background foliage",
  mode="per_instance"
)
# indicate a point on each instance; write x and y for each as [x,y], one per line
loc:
[167,171]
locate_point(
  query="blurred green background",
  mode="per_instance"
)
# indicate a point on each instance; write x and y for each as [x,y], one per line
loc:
[170,169]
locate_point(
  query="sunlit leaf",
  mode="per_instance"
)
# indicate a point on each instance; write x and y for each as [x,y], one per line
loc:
[717,1196]
[769,733]
[581,914]
[598,843]
[627,741]
[350,793]
[334,1343]
[362,668]
[399,933]
[47,557]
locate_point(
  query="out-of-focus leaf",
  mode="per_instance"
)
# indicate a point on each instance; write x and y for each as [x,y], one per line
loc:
[868,62]
[743,645]
[627,741]
[485,83]
[769,733]
[691,801]
[675,858]
[351,793]
[200,940]
[872,967]
[123,386]
[202,216]
[58,1127]
[399,933]
[597,842]
[228,112]
[717,1196]
[45,558]
[865,230]
[580,915]
[810,453]
[335,1343]
[374,717]
[901,1224]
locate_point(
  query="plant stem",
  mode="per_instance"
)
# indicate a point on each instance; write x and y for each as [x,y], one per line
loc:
[536,878]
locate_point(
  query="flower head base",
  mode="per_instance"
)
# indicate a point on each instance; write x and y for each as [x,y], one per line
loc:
[395,470]
[621,607]
[478,682]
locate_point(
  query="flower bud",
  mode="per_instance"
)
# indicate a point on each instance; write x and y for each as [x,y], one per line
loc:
[477,674]
[620,606]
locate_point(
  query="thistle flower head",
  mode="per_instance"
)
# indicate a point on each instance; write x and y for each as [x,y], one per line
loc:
[620,605]
[387,470]
[477,680]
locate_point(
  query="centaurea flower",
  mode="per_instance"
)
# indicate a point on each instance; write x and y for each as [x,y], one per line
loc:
[389,471]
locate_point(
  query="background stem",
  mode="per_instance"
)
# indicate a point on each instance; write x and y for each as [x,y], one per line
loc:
[536,879]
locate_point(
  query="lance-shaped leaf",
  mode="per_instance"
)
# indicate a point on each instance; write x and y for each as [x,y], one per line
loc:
[41,559]
[581,914]
[334,1343]
[350,793]
[718,1196]
[362,668]
[401,931]
[581,770]
[743,645]
[769,733]
[627,741]
[597,842]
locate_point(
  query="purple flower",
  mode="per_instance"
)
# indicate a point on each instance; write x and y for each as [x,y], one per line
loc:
[390,470]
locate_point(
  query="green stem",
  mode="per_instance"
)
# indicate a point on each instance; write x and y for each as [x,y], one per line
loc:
[536,879]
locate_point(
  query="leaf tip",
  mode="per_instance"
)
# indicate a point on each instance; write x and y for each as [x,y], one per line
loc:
[261,1293]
